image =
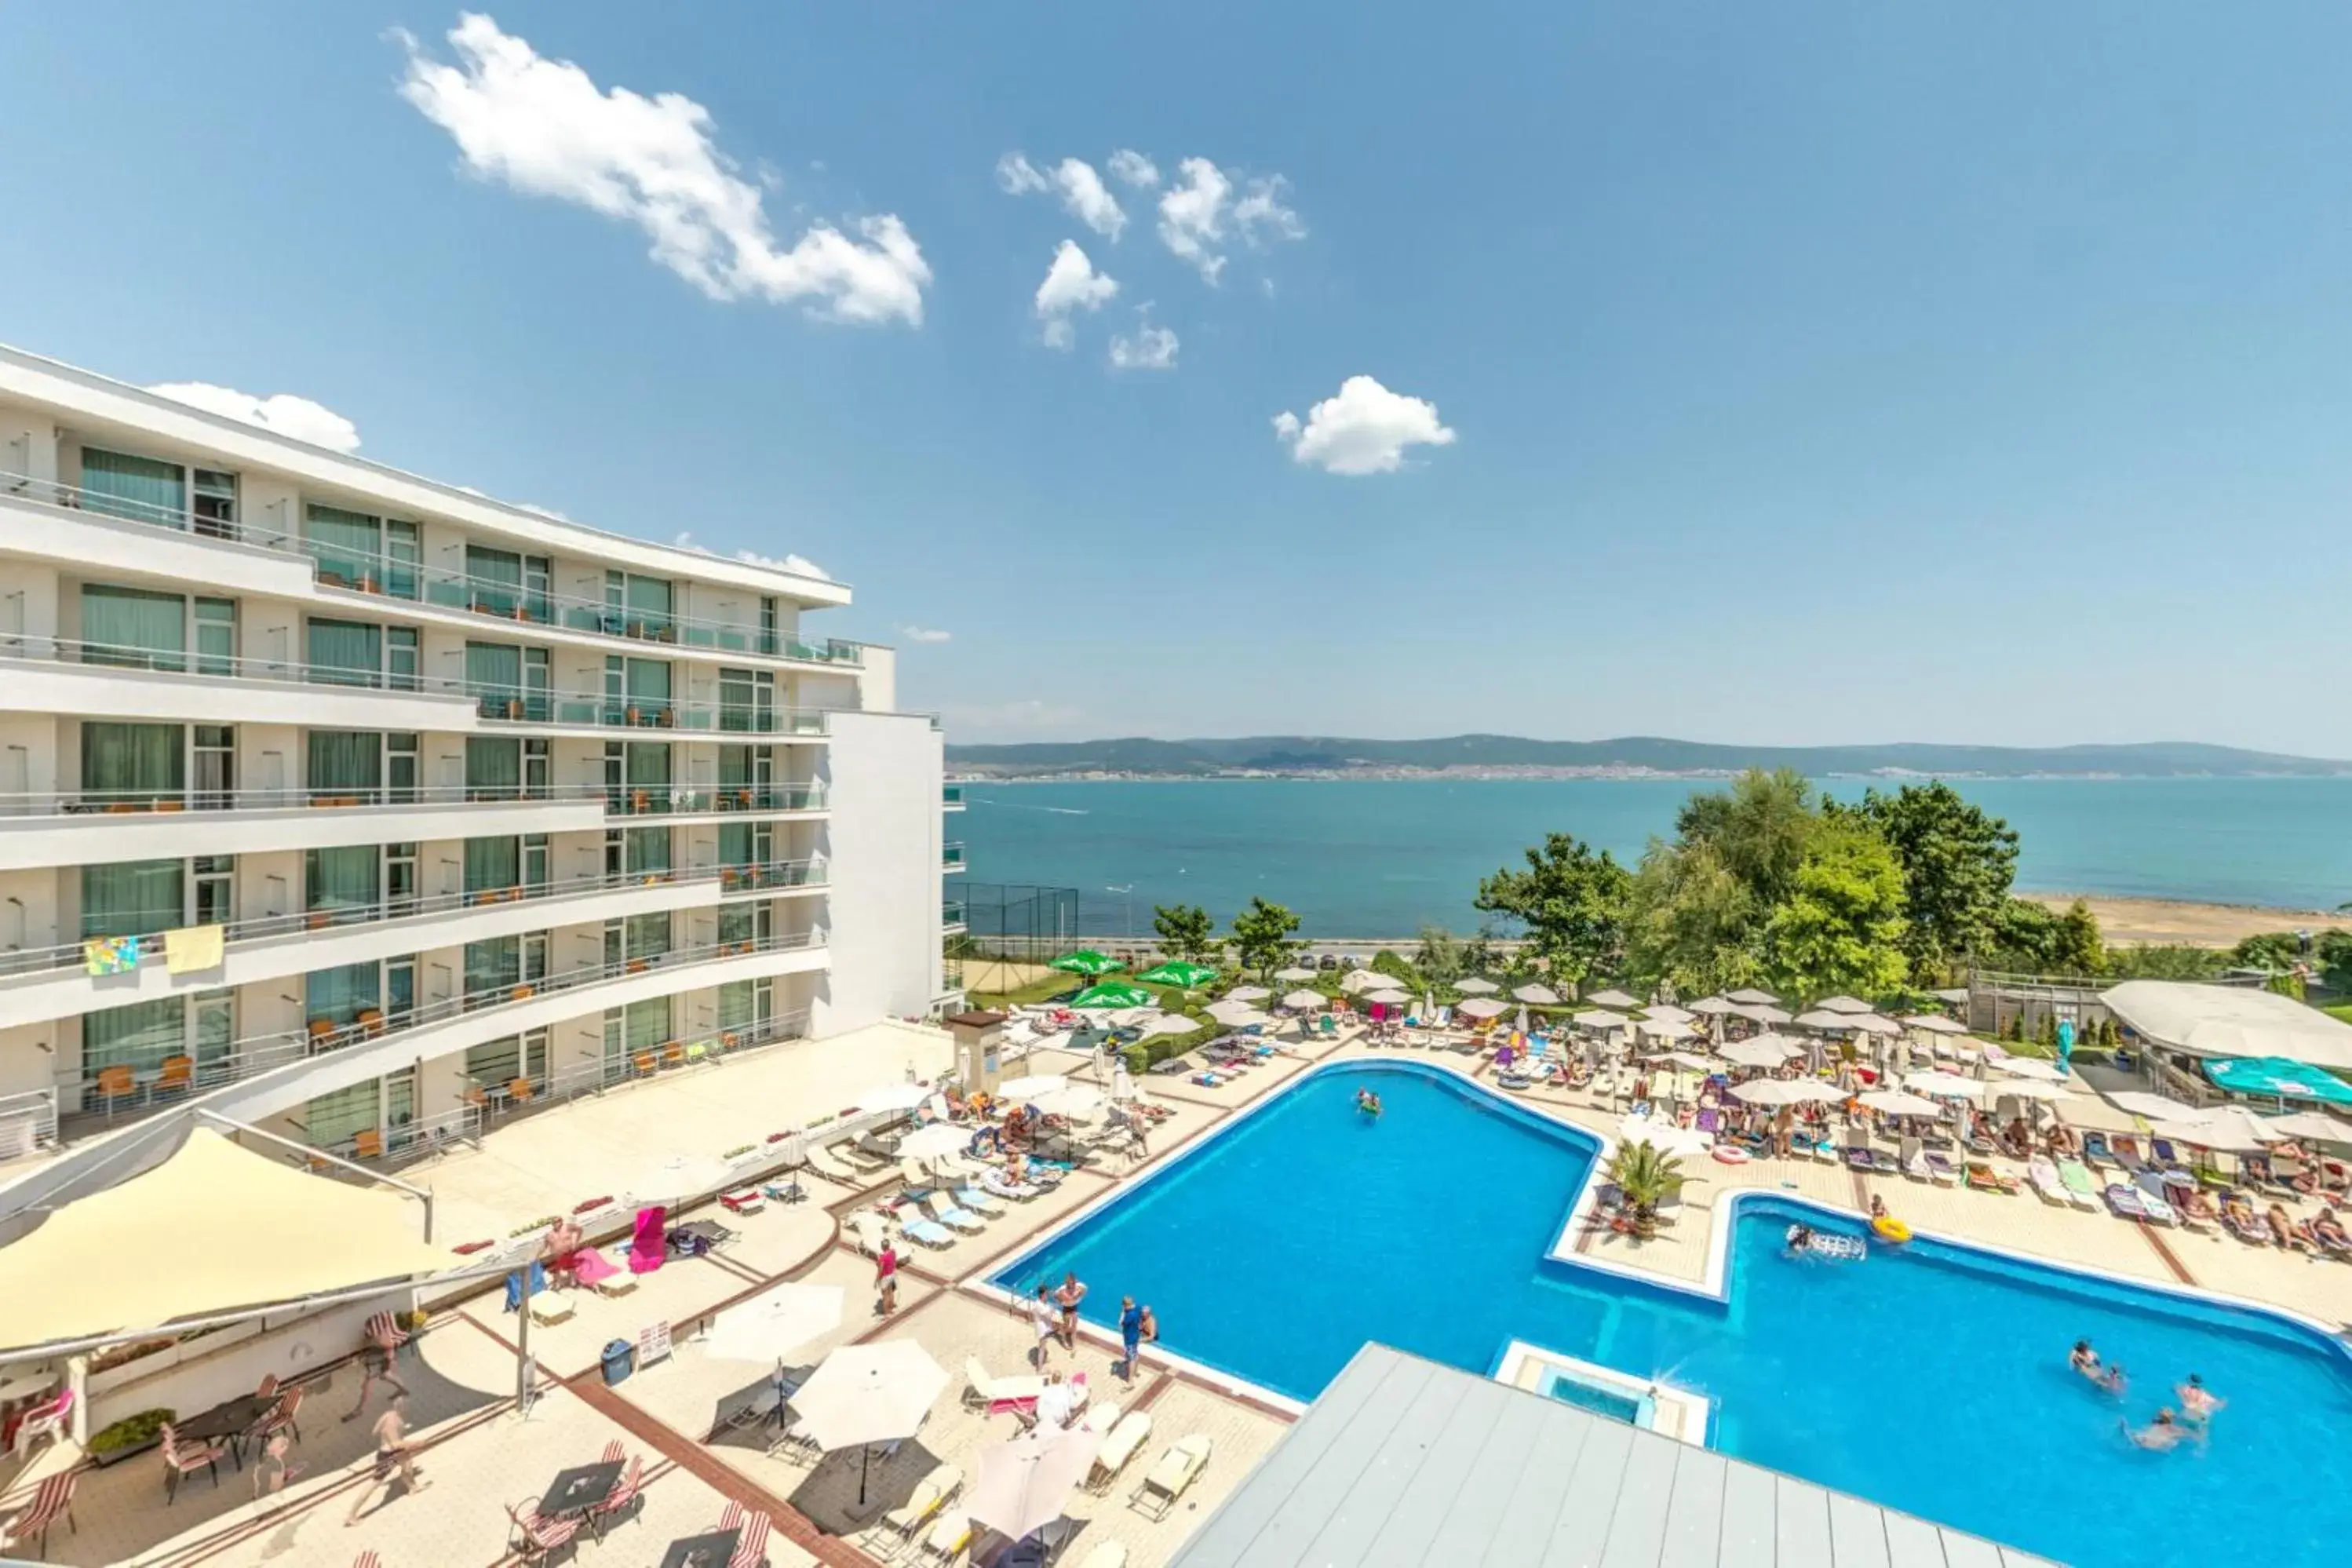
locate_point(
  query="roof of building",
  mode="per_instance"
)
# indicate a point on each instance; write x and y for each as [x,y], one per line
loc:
[2230,1021]
[1404,1462]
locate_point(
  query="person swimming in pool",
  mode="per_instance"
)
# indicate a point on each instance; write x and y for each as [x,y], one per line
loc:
[2085,1361]
[1367,1102]
[2111,1379]
[2159,1436]
[1799,1239]
[2197,1402]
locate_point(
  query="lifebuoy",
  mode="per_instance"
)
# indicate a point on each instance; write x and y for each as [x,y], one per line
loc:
[1728,1155]
[1890,1228]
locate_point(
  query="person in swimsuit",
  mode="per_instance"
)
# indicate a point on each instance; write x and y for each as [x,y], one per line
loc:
[2197,1402]
[1799,1239]
[2084,1360]
[2158,1435]
[1067,1298]
[1045,1322]
[375,1363]
[392,1458]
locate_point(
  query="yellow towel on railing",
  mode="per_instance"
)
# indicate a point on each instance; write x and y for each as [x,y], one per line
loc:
[192,947]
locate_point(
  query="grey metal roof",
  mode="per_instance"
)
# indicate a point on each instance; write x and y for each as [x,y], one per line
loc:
[1404,1462]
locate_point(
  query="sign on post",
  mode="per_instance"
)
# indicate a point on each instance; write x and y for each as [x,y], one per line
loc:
[653,1344]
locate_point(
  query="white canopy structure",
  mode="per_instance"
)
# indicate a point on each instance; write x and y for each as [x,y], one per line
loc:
[1844,1004]
[2229,1021]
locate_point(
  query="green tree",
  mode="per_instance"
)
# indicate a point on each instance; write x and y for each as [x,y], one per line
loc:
[2076,946]
[1262,936]
[1840,927]
[2335,955]
[2276,949]
[1395,965]
[1647,1179]
[1958,863]
[1186,931]
[1691,922]
[1439,957]
[2163,961]
[1572,903]
[1761,827]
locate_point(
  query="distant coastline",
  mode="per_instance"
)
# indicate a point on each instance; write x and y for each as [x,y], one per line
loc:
[1479,774]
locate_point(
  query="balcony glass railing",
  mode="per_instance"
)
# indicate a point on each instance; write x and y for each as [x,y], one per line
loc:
[952,855]
[366,572]
[621,801]
[951,914]
[663,800]
[951,794]
[497,703]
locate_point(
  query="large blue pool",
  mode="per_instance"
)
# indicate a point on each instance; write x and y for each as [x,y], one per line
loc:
[1930,1378]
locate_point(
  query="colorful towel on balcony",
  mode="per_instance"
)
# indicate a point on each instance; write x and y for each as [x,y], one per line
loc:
[192,947]
[110,954]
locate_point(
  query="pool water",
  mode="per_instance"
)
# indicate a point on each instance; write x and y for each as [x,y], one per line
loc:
[1930,1378]
[1600,1401]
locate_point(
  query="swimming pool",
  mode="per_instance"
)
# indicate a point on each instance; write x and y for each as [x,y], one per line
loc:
[1930,1378]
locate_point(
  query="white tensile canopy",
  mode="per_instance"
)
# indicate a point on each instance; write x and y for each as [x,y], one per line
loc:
[2230,1021]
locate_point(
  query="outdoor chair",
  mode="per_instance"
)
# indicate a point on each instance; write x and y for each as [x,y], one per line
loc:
[624,1498]
[367,1559]
[182,1458]
[114,1083]
[281,1418]
[178,1076]
[751,1546]
[42,1421]
[540,1536]
[383,1331]
[51,1499]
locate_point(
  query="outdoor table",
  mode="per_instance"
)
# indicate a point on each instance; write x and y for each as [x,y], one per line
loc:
[580,1488]
[709,1232]
[708,1549]
[231,1419]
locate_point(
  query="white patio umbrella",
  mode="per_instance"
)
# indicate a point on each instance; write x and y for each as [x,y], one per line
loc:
[1665,1029]
[2027,1089]
[892,1097]
[1691,1060]
[2311,1127]
[1764,1013]
[1302,1001]
[1814,1091]
[1361,980]
[1613,998]
[1474,986]
[2232,1129]
[1714,1007]
[1170,1024]
[1520,1022]
[1293,974]
[1249,994]
[1078,1102]
[769,1327]
[2029,1066]
[863,1394]
[931,1141]
[1600,1018]
[1663,1136]
[1541,995]
[1664,1013]
[1934,1023]
[1760,1051]
[1844,1004]
[1895,1102]
[1764,1091]
[2155,1107]
[1944,1086]
[1024,1484]
[1032,1087]
[1481,1007]
[1235,1014]
[1388,998]
[679,1176]
[1873,1024]
[1820,1018]
[1751,997]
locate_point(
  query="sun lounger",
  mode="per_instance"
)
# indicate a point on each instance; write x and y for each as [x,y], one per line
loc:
[1912,1156]
[1118,1446]
[931,1495]
[2197,1210]
[2159,1211]
[1940,1170]
[919,1181]
[917,1228]
[983,1392]
[2081,1187]
[2126,1150]
[867,1232]
[828,1165]
[2238,1217]
[2125,1201]
[2047,1184]
[1171,1477]
[948,1539]
[1986,1179]
[998,1185]
[1858,1156]
[943,1209]
[2095,1151]
[746,1200]
[978,1202]
[1107,1555]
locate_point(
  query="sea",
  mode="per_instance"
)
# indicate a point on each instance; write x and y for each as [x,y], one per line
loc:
[1381,858]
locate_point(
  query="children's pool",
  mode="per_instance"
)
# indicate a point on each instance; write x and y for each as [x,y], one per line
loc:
[1930,1378]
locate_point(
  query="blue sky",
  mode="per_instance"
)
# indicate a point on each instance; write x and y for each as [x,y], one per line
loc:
[1813,373]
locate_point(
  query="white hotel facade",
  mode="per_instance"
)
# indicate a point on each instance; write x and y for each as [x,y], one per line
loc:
[481,806]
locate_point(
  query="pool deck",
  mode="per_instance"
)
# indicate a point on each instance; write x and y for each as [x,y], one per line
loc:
[480,1455]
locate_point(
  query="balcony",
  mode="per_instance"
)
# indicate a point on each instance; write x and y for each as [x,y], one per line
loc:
[721,800]
[951,919]
[951,858]
[110,680]
[343,571]
[951,797]
[264,1075]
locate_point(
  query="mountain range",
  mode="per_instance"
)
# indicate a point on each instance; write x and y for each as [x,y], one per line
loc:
[1325,755]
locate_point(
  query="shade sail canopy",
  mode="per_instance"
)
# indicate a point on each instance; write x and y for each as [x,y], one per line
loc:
[2230,1021]
[213,1228]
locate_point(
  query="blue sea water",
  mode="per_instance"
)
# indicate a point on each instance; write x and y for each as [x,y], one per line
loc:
[1929,1378]
[1380,857]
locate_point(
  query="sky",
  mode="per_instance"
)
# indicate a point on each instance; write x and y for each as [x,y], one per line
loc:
[1796,374]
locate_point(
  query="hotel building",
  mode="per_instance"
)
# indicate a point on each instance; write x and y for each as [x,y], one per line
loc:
[365,808]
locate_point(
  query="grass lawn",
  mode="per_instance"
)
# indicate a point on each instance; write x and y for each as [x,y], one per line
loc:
[2339,1010]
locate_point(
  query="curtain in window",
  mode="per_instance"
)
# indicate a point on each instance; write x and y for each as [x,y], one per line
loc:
[345,762]
[345,653]
[494,965]
[737,1004]
[735,844]
[337,994]
[738,710]
[346,878]
[648,764]
[735,764]
[140,1035]
[645,1025]
[132,626]
[132,899]
[649,601]
[493,1064]
[497,578]
[644,849]
[738,923]
[135,762]
[492,863]
[494,673]
[345,544]
[646,936]
[120,485]
[493,766]
[338,1118]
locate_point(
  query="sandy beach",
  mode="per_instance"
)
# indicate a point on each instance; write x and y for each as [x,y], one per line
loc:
[2199,925]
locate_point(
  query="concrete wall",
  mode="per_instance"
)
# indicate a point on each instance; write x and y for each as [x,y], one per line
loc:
[885,851]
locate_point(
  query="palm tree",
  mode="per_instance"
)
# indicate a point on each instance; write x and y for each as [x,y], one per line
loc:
[1647,1178]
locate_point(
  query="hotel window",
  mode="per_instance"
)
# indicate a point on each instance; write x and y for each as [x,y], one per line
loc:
[743,1003]
[216,503]
[354,550]
[497,965]
[509,682]
[400,987]
[641,605]
[752,921]
[340,994]
[646,1025]
[133,764]
[400,880]
[403,661]
[635,937]
[343,653]
[536,857]
[495,1064]
[215,767]
[493,864]
[133,627]
[768,624]
[637,690]
[636,774]
[747,700]
[402,765]
[346,765]
[342,883]
[132,898]
[143,1035]
[144,490]
[215,636]
[333,1120]
[215,878]
[493,768]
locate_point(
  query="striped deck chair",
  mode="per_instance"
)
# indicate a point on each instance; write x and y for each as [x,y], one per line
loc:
[52,1500]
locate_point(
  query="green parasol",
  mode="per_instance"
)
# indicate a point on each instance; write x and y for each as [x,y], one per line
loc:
[1113,995]
[1177,972]
[1087,961]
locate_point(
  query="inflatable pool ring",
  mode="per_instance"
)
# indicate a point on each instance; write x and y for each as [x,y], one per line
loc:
[1726,1154]
[1889,1229]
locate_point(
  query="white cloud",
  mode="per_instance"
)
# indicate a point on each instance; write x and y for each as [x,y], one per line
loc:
[1363,430]
[282,412]
[1082,191]
[1071,284]
[799,565]
[1133,168]
[924,634]
[543,127]
[1198,214]
[1151,348]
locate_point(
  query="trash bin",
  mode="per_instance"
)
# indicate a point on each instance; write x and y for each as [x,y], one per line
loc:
[620,1360]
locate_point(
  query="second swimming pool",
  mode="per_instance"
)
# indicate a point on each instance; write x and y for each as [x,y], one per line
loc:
[1930,1378]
